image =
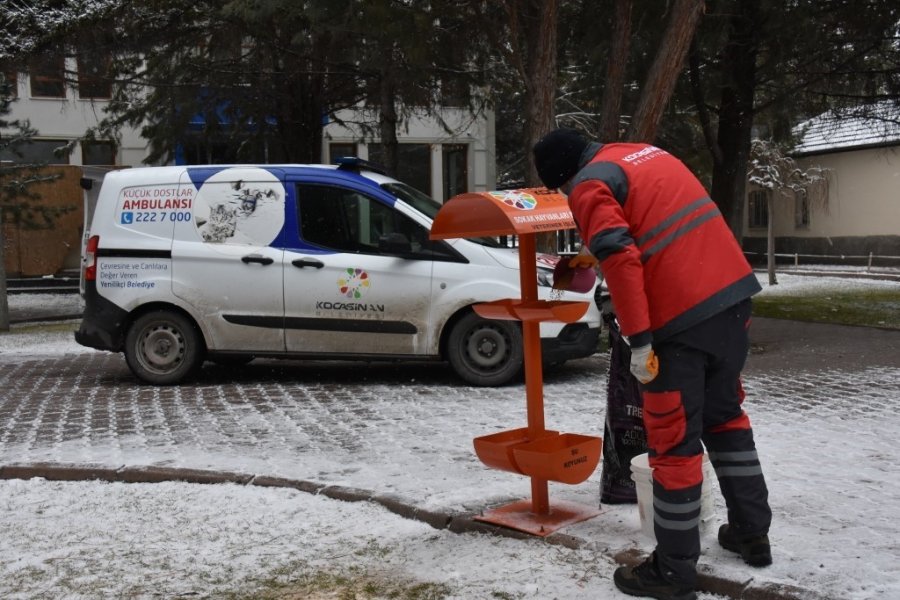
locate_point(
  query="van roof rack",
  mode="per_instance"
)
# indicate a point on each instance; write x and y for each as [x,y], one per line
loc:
[356,164]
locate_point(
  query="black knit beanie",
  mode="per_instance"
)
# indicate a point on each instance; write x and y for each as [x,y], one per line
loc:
[557,156]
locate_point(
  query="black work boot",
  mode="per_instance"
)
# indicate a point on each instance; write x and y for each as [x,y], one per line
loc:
[647,581]
[753,549]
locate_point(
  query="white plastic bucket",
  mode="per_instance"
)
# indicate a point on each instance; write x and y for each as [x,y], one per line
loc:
[642,476]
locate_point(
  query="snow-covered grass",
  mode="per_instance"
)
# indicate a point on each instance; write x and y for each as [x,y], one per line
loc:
[830,299]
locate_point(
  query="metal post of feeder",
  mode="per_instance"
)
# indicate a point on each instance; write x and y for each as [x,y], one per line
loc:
[534,377]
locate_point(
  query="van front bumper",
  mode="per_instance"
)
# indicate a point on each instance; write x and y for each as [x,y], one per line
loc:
[576,340]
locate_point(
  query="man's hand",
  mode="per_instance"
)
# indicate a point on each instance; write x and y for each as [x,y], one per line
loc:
[583,260]
[644,364]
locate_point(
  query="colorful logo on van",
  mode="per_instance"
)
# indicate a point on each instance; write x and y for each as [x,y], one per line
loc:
[353,283]
[516,199]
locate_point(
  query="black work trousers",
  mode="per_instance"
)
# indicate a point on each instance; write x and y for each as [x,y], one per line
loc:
[695,401]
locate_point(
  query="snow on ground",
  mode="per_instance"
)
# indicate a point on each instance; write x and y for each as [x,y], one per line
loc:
[64,303]
[90,540]
[829,461]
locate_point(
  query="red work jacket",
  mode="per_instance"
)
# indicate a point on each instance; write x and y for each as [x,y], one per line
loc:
[669,259]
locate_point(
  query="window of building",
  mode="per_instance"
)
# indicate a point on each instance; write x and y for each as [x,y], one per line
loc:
[47,75]
[337,150]
[414,165]
[93,74]
[455,92]
[51,152]
[758,209]
[197,149]
[98,153]
[11,83]
[456,169]
[801,210]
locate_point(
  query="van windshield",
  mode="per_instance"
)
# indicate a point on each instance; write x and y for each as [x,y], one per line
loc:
[423,203]
[428,206]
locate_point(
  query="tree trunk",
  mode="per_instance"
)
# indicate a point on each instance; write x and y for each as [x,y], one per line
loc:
[730,175]
[539,20]
[387,122]
[300,123]
[4,301]
[736,116]
[533,23]
[770,239]
[667,66]
[611,106]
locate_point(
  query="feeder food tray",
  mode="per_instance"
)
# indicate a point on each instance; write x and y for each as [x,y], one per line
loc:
[511,309]
[566,458]
[496,450]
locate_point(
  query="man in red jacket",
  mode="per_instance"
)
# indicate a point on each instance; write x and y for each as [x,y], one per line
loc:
[681,289]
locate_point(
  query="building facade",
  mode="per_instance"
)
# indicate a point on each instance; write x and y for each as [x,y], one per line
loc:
[860,215]
[442,157]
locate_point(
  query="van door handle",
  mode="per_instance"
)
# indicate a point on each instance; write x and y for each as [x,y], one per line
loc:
[257,258]
[307,262]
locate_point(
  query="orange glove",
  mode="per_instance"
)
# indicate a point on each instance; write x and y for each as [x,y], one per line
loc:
[583,260]
[644,364]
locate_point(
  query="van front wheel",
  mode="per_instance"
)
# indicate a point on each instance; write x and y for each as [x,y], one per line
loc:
[162,347]
[485,352]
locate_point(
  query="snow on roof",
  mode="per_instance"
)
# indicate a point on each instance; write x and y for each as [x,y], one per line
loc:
[864,126]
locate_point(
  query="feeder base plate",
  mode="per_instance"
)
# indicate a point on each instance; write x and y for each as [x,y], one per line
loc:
[519,516]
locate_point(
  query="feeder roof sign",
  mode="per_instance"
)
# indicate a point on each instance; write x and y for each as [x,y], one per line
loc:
[505,212]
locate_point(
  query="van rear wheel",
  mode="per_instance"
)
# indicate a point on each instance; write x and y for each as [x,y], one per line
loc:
[485,352]
[163,347]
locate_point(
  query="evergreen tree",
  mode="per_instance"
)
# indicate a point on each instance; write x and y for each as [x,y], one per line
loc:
[256,80]
[752,68]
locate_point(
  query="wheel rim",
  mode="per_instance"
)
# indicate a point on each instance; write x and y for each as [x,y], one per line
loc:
[486,348]
[161,348]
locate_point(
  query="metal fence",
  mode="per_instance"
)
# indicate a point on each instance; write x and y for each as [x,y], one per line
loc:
[868,260]
[568,242]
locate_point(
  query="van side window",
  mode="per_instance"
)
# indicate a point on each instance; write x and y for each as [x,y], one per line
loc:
[348,221]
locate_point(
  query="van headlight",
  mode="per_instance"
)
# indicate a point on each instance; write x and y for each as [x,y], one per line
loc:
[545,277]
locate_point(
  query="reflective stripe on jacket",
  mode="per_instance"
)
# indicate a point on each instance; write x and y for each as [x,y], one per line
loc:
[669,259]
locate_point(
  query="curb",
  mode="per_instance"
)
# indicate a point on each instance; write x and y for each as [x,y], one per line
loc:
[456,523]
[35,319]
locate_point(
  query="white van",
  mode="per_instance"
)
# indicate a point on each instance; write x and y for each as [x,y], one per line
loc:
[227,263]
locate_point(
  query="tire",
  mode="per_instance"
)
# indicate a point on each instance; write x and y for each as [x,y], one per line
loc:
[163,347]
[485,352]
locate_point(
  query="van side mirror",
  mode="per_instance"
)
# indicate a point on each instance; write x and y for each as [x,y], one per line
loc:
[394,243]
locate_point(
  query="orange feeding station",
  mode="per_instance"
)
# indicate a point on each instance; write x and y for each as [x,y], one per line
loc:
[534,451]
